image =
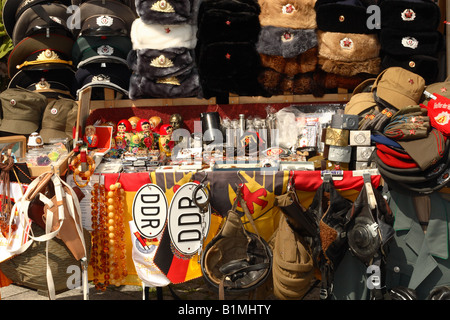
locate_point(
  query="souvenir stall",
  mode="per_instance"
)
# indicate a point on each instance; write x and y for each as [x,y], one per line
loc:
[277,146]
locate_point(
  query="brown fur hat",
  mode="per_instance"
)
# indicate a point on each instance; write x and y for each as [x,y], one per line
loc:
[303,63]
[349,47]
[349,69]
[295,14]
[333,81]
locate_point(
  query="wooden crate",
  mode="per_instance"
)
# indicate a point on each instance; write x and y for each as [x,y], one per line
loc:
[60,169]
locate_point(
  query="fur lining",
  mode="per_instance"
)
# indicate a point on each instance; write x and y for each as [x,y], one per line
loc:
[174,12]
[184,85]
[349,47]
[348,69]
[158,36]
[153,64]
[303,63]
[398,42]
[425,15]
[338,17]
[272,41]
[425,66]
[221,25]
[295,14]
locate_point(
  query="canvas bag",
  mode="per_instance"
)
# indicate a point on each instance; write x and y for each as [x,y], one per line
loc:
[293,265]
[62,214]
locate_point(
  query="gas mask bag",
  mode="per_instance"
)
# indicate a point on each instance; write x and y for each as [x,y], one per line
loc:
[236,260]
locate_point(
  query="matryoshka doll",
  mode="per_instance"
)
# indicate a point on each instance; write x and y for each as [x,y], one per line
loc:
[134,144]
[165,137]
[121,144]
[123,128]
[90,137]
[134,121]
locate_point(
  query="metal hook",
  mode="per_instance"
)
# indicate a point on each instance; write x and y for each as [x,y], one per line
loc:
[202,205]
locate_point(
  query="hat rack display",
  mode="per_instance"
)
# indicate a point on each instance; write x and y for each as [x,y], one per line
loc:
[116,81]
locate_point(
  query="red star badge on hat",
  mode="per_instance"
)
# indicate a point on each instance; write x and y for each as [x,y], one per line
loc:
[228,56]
[411,81]
[167,30]
[443,89]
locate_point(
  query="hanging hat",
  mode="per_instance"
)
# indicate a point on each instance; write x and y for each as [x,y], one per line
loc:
[398,88]
[220,22]
[22,110]
[161,37]
[285,42]
[168,11]
[13,9]
[295,14]
[153,64]
[417,15]
[39,18]
[114,76]
[58,119]
[92,49]
[347,16]
[52,83]
[277,83]
[408,43]
[425,66]
[39,52]
[105,18]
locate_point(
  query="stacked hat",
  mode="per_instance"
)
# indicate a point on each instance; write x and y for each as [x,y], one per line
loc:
[59,119]
[348,48]
[409,36]
[287,45]
[103,41]
[226,55]
[162,57]
[42,45]
[21,111]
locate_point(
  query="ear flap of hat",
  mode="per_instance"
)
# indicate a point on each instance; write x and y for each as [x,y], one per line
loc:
[303,63]
[183,85]
[349,69]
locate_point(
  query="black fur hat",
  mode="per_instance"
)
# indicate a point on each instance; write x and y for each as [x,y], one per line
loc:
[285,42]
[218,25]
[417,15]
[153,64]
[425,66]
[348,16]
[181,86]
[399,42]
[168,11]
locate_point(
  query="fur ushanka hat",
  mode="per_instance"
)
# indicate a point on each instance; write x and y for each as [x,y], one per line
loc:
[302,63]
[348,54]
[417,15]
[168,11]
[183,85]
[285,42]
[153,64]
[159,36]
[222,24]
[407,43]
[295,14]
[347,16]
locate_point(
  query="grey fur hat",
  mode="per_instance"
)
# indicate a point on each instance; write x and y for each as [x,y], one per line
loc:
[168,11]
[285,42]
